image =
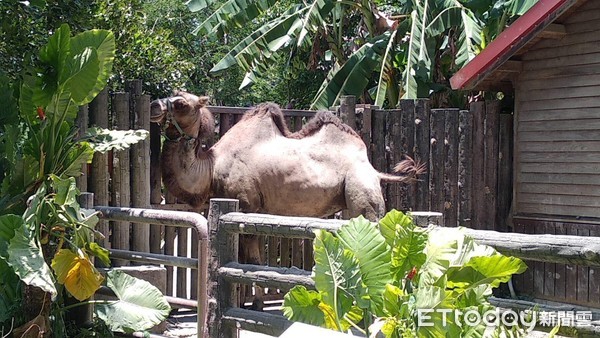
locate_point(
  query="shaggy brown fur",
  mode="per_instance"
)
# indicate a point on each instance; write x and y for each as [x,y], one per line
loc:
[321,119]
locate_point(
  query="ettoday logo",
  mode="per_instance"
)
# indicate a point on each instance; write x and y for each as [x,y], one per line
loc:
[495,317]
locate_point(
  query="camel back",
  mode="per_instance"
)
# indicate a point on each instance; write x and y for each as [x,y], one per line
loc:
[318,121]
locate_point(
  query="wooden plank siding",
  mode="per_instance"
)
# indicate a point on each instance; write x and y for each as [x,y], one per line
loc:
[557,151]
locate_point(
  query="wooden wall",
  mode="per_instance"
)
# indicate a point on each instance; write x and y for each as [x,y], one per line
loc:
[559,282]
[557,153]
[558,122]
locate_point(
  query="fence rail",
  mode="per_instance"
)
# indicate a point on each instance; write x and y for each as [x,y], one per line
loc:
[186,220]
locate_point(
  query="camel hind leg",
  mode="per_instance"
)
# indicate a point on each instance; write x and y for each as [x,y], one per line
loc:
[364,197]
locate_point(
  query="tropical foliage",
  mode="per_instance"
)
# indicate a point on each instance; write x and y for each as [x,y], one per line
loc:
[377,277]
[375,50]
[46,239]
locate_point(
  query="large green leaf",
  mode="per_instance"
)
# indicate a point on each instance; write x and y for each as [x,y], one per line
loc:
[140,305]
[103,140]
[259,45]
[406,240]
[8,224]
[90,64]
[27,260]
[362,238]
[9,291]
[302,305]
[386,80]
[232,13]
[336,274]
[418,59]
[489,270]
[443,247]
[354,75]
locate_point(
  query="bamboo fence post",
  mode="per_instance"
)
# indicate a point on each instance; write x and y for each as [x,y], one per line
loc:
[223,249]
[121,185]
[140,168]
[99,174]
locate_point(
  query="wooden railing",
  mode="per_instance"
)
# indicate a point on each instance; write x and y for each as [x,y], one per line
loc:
[226,224]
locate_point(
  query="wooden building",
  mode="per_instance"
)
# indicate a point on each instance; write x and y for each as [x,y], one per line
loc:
[549,59]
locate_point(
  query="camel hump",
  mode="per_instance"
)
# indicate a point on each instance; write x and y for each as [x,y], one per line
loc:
[320,120]
[269,110]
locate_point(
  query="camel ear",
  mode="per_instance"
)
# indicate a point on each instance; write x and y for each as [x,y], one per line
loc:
[203,100]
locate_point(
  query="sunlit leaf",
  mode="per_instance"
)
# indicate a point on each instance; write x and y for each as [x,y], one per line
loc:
[363,238]
[27,260]
[140,305]
[103,140]
[337,276]
[99,252]
[302,305]
[77,274]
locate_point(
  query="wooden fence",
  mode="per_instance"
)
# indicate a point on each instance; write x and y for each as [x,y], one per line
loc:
[225,273]
[467,153]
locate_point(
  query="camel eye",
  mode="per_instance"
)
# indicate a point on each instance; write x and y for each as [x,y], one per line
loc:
[179,104]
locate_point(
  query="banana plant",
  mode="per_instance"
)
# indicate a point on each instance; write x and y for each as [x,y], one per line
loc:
[380,53]
[376,277]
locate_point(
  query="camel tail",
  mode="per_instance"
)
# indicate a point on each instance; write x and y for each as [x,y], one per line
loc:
[407,171]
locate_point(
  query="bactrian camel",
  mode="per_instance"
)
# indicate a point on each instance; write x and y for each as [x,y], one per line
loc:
[317,171]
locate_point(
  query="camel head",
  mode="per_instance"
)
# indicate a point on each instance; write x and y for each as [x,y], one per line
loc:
[183,116]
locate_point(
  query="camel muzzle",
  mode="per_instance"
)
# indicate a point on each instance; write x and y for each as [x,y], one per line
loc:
[158,110]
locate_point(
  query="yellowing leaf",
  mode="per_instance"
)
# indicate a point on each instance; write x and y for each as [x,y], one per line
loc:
[330,317]
[77,274]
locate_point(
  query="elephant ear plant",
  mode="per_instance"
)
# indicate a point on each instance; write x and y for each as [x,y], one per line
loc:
[46,239]
[400,280]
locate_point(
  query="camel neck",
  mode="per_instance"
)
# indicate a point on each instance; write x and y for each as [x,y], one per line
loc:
[187,171]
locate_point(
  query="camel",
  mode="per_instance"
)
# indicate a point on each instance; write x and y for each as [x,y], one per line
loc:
[316,172]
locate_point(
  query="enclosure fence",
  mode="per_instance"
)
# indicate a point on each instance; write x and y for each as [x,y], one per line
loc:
[468,179]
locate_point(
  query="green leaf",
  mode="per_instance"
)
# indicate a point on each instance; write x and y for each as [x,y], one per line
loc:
[92,56]
[337,276]
[354,75]
[140,305]
[27,260]
[66,190]
[362,238]
[9,292]
[99,252]
[386,79]
[417,56]
[79,155]
[55,54]
[491,270]
[232,13]
[302,305]
[8,224]
[406,240]
[441,249]
[103,140]
[250,52]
